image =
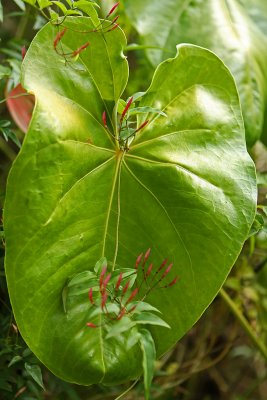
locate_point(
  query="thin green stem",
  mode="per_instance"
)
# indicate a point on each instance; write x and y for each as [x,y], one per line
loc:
[6,149]
[127,390]
[22,26]
[135,46]
[244,323]
[115,125]
[15,97]
[5,305]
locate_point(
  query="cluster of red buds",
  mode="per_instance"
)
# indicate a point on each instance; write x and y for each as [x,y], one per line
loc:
[123,118]
[72,54]
[123,126]
[103,27]
[146,279]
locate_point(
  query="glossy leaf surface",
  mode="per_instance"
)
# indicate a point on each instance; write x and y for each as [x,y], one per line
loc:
[232,29]
[185,188]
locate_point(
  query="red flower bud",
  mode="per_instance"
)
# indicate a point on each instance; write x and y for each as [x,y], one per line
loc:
[23,52]
[91,325]
[138,260]
[124,290]
[147,254]
[167,271]
[90,295]
[173,282]
[119,281]
[59,37]
[104,119]
[113,28]
[132,309]
[80,49]
[142,125]
[145,258]
[132,296]
[103,272]
[112,9]
[148,272]
[162,265]
[122,313]
[104,299]
[106,280]
[115,19]
[128,104]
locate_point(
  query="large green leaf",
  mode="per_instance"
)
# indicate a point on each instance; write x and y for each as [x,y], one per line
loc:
[186,188]
[222,26]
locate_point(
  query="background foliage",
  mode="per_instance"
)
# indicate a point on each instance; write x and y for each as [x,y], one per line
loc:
[216,359]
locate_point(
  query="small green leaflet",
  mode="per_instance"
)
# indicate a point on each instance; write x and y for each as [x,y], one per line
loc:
[257,225]
[148,318]
[35,372]
[44,3]
[4,71]
[31,2]
[142,306]
[60,5]
[20,4]
[100,265]
[138,96]
[78,285]
[14,360]
[83,277]
[8,133]
[121,106]
[89,9]
[53,14]
[149,355]
[121,326]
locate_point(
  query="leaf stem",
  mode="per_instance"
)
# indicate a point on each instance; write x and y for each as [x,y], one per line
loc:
[127,390]
[15,97]
[244,323]
[23,24]
[115,126]
[135,46]
[7,150]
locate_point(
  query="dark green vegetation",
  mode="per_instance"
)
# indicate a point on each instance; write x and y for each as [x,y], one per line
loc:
[88,183]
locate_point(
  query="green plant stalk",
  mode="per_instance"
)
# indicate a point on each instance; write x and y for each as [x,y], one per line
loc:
[6,149]
[244,323]
[22,26]
[127,390]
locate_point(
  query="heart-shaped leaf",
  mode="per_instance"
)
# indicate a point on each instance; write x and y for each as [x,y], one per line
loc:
[226,28]
[185,187]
